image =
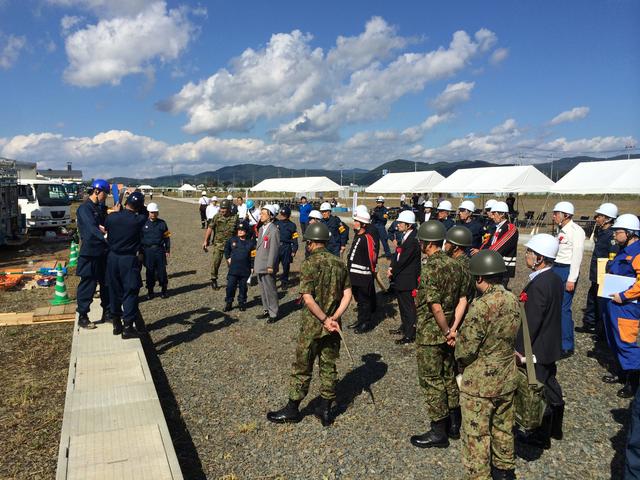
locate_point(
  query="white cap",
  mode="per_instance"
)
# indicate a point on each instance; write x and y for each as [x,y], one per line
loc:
[428,204]
[608,210]
[564,207]
[315,214]
[229,197]
[489,203]
[361,208]
[204,193]
[152,207]
[445,205]
[325,206]
[468,205]
[407,216]
[380,199]
[627,221]
[544,244]
[213,199]
[269,208]
[362,215]
[499,207]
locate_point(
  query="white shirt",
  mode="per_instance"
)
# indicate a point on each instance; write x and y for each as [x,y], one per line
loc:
[203,200]
[494,239]
[533,275]
[242,211]
[571,238]
[403,197]
[212,211]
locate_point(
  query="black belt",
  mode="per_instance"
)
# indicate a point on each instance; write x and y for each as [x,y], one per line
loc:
[562,264]
[152,246]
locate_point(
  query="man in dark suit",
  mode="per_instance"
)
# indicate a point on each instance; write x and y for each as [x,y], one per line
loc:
[404,272]
[542,298]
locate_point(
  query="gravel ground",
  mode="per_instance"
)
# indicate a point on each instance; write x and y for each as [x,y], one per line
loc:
[219,374]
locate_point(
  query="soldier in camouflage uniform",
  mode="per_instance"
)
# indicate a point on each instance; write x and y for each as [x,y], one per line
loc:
[458,240]
[437,298]
[326,291]
[219,229]
[485,350]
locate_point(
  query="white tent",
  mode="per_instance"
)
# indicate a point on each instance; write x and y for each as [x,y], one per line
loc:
[608,177]
[406,182]
[517,179]
[187,188]
[146,188]
[297,185]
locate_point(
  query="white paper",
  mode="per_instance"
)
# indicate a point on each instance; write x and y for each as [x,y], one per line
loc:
[616,284]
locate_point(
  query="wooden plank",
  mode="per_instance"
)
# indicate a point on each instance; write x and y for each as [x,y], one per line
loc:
[15,318]
[47,318]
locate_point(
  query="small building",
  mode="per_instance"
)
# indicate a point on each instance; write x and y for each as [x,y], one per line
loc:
[66,176]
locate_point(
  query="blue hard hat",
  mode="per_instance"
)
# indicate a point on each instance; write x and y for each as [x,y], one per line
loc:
[136,200]
[285,211]
[101,184]
[250,203]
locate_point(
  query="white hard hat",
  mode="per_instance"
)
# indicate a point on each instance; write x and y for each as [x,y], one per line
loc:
[380,199]
[214,199]
[152,207]
[269,208]
[428,204]
[499,207]
[564,207]
[468,205]
[276,208]
[204,192]
[315,214]
[407,216]
[445,205]
[489,203]
[627,221]
[544,244]
[362,215]
[325,206]
[229,197]
[608,210]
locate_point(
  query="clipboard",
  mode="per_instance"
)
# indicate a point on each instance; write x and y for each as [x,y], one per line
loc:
[615,284]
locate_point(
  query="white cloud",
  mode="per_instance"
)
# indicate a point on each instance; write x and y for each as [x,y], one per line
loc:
[114,48]
[10,47]
[575,113]
[499,55]
[105,8]
[68,22]
[453,94]
[414,134]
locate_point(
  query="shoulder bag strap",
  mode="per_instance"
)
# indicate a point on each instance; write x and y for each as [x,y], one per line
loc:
[528,353]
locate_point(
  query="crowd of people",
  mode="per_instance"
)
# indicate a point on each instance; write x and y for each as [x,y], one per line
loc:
[449,270]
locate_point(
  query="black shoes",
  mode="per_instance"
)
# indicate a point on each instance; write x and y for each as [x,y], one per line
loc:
[117,325]
[455,420]
[105,318]
[585,328]
[363,327]
[611,378]
[129,332]
[541,436]
[500,474]
[243,307]
[227,307]
[83,322]
[288,414]
[436,437]
[263,315]
[150,294]
[284,284]
[405,341]
[164,293]
[214,284]
[566,354]
[272,320]
[323,412]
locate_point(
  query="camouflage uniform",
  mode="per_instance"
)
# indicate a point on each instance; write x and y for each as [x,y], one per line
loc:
[467,281]
[325,277]
[439,283]
[223,228]
[485,349]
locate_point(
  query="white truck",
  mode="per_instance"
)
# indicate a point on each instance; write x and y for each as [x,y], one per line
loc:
[44,203]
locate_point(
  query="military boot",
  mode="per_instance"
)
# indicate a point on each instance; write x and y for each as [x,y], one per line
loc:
[436,437]
[556,424]
[288,414]
[323,412]
[500,474]
[455,419]
[117,325]
[227,307]
[84,322]
[541,436]
[140,325]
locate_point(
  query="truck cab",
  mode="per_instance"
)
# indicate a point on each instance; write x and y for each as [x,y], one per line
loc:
[44,203]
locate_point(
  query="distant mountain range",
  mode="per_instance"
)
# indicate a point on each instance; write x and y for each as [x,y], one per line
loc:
[247,174]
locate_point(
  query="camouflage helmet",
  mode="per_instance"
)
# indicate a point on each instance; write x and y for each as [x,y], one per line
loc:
[459,235]
[432,231]
[225,204]
[317,232]
[487,262]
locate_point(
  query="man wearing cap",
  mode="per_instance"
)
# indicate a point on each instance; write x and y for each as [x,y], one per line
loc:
[428,210]
[203,202]
[457,242]
[361,263]
[444,210]
[212,208]
[567,266]
[240,251]
[219,229]
[305,209]
[266,263]
[288,244]
[605,249]
[504,239]
[379,216]
[465,212]
[338,232]
[156,247]
[403,273]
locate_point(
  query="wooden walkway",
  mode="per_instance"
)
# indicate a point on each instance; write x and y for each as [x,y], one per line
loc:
[113,425]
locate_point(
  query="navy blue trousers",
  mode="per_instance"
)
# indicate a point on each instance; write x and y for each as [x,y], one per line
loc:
[567,319]
[239,282]
[124,279]
[384,239]
[284,257]
[155,263]
[92,272]
[632,462]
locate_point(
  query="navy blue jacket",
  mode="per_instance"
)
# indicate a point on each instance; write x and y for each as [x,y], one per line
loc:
[89,216]
[241,252]
[156,234]
[379,215]
[477,230]
[124,230]
[288,234]
[394,233]
[605,247]
[339,233]
[448,223]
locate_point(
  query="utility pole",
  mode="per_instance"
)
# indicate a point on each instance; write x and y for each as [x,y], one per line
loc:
[341,165]
[629,147]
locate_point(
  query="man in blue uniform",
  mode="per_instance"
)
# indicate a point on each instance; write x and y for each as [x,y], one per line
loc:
[465,212]
[92,261]
[156,246]
[288,244]
[444,210]
[338,231]
[124,230]
[379,216]
[239,251]
[305,209]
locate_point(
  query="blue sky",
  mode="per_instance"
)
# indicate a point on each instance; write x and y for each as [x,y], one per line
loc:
[137,87]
